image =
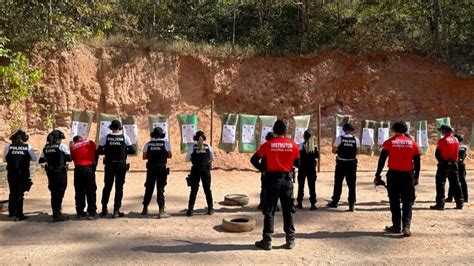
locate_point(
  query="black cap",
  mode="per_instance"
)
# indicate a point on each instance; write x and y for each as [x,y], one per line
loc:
[115,124]
[348,127]
[445,129]
[77,139]
[200,134]
[158,132]
[279,127]
[270,135]
[307,134]
[400,127]
[459,137]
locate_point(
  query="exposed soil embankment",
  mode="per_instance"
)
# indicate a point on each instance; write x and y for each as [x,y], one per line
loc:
[142,82]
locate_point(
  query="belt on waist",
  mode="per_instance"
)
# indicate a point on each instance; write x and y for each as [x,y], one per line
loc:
[89,165]
[119,161]
[345,160]
[278,174]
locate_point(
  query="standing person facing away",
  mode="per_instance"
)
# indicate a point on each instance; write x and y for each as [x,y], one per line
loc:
[18,155]
[402,176]
[56,155]
[157,151]
[346,147]
[282,154]
[201,156]
[309,153]
[115,146]
[84,154]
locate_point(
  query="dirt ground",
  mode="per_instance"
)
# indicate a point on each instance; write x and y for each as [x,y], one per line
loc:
[325,236]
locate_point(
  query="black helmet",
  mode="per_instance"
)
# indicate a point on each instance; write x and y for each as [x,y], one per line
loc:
[445,129]
[400,127]
[20,135]
[348,127]
[198,135]
[270,135]
[158,132]
[279,127]
[115,125]
[55,135]
[308,134]
[459,137]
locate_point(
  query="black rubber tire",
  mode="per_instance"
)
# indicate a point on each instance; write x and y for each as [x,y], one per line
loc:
[236,200]
[239,223]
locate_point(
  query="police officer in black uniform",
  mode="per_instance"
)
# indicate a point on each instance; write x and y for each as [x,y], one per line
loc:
[156,151]
[115,146]
[201,157]
[461,171]
[346,147]
[18,155]
[308,155]
[56,155]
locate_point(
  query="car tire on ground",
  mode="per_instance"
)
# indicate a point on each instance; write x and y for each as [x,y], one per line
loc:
[236,200]
[238,223]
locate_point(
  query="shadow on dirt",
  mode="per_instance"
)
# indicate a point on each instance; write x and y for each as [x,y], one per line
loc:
[193,247]
[341,235]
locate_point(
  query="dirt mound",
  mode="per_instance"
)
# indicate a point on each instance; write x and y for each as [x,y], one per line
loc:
[141,82]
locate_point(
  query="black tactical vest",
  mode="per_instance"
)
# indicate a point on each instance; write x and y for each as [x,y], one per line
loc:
[54,156]
[18,157]
[308,160]
[201,158]
[156,152]
[462,153]
[348,148]
[115,148]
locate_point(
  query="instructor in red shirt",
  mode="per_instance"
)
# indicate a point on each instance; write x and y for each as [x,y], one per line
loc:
[85,157]
[447,153]
[402,176]
[281,154]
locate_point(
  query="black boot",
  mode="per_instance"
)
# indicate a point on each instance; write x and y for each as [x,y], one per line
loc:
[104,212]
[189,213]
[266,245]
[118,214]
[299,205]
[438,207]
[59,217]
[163,214]
[145,210]
[210,211]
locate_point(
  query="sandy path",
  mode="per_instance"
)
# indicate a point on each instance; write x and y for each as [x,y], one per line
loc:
[323,236]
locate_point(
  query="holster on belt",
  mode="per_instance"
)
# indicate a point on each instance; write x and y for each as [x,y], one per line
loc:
[280,175]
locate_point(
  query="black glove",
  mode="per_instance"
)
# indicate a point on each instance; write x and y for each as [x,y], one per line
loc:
[28,185]
[378,180]
[188,180]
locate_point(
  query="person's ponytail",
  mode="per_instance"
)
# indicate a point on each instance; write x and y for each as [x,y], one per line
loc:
[200,142]
[309,145]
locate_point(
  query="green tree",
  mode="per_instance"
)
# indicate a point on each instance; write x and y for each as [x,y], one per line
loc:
[17,80]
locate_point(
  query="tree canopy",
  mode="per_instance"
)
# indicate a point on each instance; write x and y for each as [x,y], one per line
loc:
[441,29]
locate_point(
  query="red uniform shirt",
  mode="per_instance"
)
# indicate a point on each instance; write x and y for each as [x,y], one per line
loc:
[280,154]
[401,150]
[449,148]
[83,153]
